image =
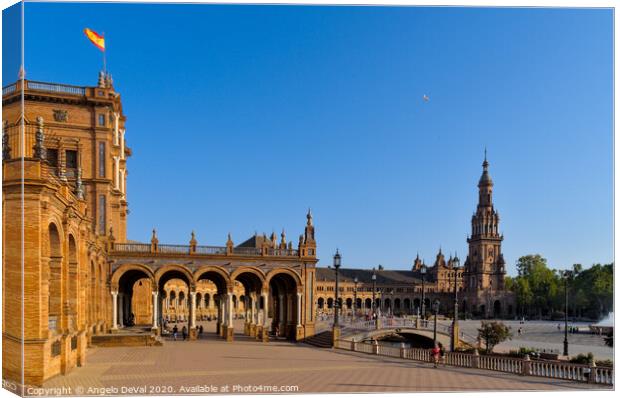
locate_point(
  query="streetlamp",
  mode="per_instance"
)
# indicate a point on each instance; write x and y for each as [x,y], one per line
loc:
[354,296]
[435,309]
[423,272]
[337,260]
[567,275]
[374,290]
[455,325]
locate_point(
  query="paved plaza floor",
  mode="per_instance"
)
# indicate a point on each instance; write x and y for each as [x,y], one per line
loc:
[545,335]
[246,365]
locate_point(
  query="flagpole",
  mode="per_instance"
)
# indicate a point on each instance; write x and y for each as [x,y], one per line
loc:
[104,66]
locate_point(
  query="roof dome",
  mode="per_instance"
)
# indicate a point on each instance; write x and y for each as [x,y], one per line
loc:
[485,178]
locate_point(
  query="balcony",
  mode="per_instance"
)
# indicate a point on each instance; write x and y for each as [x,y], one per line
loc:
[189,250]
[43,87]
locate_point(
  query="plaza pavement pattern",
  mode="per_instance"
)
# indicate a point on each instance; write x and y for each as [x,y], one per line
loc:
[246,362]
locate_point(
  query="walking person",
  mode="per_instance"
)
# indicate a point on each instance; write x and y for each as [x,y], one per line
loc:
[175,330]
[442,354]
[184,333]
[435,354]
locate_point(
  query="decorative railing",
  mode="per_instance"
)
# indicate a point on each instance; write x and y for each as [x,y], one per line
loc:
[143,248]
[10,89]
[520,366]
[283,252]
[502,364]
[173,249]
[459,359]
[55,88]
[211,250]
[132,247]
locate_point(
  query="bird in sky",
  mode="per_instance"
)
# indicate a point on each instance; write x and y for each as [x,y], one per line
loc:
[425,98]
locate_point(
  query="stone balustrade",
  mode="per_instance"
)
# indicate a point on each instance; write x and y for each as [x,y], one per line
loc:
[521,366]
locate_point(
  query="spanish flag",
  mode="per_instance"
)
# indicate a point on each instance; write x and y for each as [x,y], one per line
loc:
[95,38]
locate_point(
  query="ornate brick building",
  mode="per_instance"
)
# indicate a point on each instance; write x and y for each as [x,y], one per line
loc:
[69,273]
[479,282]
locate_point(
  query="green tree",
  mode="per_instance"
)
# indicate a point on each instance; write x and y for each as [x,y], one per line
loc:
[493,333]
[539,290]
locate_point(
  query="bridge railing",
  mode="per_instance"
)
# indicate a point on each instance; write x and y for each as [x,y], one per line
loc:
[520,366]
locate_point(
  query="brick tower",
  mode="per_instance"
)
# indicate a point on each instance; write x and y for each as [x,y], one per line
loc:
[485,266]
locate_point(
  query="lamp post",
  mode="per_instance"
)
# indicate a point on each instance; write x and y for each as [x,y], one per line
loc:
[354,297]
[374,303]
[336,326]
[455,322]
[567,275]
[337,260]
[374,290]
[423,272]
[435,309]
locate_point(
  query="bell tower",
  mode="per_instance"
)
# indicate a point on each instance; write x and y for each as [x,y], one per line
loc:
[485,266]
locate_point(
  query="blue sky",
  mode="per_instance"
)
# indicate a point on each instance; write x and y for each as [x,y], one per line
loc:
[242,117]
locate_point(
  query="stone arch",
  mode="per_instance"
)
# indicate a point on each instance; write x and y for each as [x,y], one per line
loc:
[368,303]
[182,302]
[55,277]
[397,303]
[198,300]
[247,269]
[358,303]
[223,285]
[278,271]
[497,309]
[416,303]
[92,294]
[103,302]
[330,303]
[72,278]
[120,271]
[216,274]
[349,303]
[172,271]
[321,303]
[123,281]
[284,304]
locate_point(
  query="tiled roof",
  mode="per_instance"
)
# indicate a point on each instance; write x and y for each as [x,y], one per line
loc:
[365,275]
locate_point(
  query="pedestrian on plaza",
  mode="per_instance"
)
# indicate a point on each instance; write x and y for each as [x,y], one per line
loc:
[175,330]
[442,353]
[184,333]
[435,352]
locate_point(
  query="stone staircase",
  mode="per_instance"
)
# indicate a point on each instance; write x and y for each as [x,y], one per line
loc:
[322,340]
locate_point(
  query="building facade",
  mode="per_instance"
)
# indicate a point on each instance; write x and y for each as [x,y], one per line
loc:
[69,272]
[479,283]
